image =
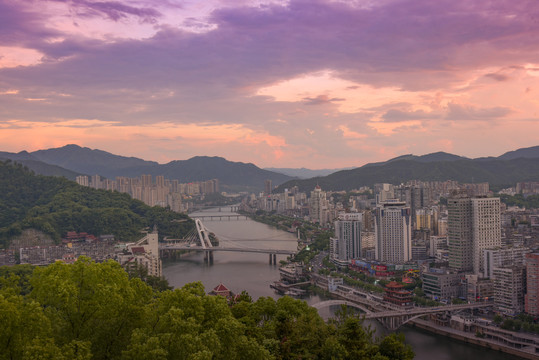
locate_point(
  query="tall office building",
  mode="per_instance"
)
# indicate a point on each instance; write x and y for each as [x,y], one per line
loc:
[393,229]
[473,226]
[347,242]
[532,284]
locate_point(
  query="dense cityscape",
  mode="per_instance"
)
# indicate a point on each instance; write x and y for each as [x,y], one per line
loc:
[458,260]
[269,179]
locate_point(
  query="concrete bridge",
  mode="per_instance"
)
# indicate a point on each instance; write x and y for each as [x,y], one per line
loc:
[223,217]
[328,303]
[231,208]
[390,315]
[200,240]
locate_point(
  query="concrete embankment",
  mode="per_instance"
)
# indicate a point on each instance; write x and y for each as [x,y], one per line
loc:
[472,339]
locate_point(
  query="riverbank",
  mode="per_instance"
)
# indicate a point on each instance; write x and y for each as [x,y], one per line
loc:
[470,338]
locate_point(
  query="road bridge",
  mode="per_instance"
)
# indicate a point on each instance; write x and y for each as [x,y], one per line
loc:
[231,208]
[390,315]
[223,217]
[202,239]
[328,303]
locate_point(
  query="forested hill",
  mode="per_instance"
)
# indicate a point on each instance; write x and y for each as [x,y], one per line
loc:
[498,173]
[56,205]
[233,176]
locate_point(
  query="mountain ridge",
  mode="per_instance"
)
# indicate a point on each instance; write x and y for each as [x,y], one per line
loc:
[232,176]
[71,160]
[521,165]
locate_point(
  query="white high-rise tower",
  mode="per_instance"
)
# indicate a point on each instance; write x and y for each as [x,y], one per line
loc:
[393,231]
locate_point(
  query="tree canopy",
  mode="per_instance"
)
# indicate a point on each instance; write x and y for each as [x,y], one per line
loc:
[89,310]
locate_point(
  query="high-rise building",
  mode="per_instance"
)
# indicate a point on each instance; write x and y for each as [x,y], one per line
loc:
[318,206]
[160,181]
[486,227]
[384,192]
[473,226]
[532,284]
[96,181]
[509,285]
[82,180]
[503,257]
[267,187]
[393,229]
[146,180]
[347,243]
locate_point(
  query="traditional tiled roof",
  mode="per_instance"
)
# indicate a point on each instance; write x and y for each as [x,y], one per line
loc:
[220,288]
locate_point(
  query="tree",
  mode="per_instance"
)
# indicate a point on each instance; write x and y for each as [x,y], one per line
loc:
[89,302]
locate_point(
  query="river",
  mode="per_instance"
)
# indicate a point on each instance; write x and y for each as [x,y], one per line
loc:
[252,272]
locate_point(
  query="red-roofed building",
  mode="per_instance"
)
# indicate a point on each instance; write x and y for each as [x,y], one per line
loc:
[221,290]
[138,250]
[398,295]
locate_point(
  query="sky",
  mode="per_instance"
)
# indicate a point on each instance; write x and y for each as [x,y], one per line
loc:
[298,83]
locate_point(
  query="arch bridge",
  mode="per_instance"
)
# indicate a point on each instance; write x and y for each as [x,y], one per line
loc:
[391,316]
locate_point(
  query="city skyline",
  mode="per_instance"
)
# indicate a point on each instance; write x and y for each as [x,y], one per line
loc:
[316,84]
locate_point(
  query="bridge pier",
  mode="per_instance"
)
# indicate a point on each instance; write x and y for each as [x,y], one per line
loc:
[208,257]
[274,258]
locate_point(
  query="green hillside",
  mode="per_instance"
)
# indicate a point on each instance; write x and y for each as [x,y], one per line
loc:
[498,173]
[56,205]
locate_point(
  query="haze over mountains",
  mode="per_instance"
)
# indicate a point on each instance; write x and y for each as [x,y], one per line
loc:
[72,160]
[304,173]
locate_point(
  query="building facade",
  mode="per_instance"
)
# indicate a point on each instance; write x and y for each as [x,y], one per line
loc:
[347,241]
[509,286]
[473,226]
[532,284]
[393,231]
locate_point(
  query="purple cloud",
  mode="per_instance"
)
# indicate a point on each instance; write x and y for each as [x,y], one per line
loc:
[21,27]
[395,115]
[210,77]
[321,100]
[498,76]
[113,10]
[469,112]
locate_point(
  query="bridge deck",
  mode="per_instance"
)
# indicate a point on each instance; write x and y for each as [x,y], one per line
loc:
[231,249]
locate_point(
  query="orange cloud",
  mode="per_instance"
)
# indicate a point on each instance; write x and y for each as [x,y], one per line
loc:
[87,132]
[18,56]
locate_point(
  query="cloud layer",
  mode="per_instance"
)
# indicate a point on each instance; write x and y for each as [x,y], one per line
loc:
[320,84]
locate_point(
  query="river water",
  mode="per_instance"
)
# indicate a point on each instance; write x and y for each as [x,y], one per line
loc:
[252,272]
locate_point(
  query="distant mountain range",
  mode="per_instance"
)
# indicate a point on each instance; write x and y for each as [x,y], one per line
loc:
[303,173]
[502,171]
[72,160]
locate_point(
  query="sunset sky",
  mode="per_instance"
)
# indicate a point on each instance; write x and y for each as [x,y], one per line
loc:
[299,83]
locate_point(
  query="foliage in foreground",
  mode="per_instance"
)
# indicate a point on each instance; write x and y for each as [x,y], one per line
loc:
[96,311]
